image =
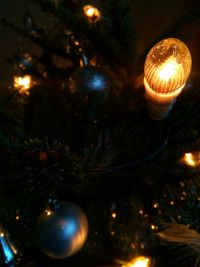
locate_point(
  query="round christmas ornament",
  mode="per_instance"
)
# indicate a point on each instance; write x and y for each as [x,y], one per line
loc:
[89,80]
[61,231]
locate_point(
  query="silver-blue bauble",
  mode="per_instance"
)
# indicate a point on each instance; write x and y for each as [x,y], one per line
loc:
[62,231]
[88,80]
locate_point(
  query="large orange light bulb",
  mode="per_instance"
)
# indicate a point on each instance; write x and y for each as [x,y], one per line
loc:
[167,68]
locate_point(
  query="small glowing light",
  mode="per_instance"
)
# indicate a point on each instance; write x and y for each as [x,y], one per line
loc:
[142,246]
[141,212]
[2,234]
[92,13]
[15,250]
[172,203]
[17,217]
[139,262]
[76,43]
[133,246]
[81,63]
[112,233]
[198,198]
[48,212]
[23,83]
[156,205]
[166,70]
[114,215]
[191,159]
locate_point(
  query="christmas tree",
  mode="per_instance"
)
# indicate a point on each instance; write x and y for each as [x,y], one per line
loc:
[99,141]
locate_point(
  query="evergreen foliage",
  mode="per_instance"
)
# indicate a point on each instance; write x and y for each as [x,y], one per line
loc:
[121,161]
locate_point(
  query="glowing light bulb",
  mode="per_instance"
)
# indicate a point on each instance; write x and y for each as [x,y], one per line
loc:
[139,261]
[48,212]
[167,68]
[92,13]
[23,83]
[114,215]
[191,159]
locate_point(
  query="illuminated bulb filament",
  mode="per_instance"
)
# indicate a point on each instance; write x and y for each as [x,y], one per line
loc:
[168,70]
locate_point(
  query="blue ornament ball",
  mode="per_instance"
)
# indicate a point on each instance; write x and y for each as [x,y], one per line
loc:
[88,80]
[62,231]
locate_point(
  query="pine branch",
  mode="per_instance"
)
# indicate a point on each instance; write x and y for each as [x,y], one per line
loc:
[42,41]
[106,40]
[120,15]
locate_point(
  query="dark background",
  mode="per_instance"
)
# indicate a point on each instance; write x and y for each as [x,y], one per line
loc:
[152,17]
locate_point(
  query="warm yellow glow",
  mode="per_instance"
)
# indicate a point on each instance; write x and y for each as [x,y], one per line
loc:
[139,262]
[23,83]
[141,212]
[154,227]
[167,66]
[114,215]
[189,159]
[92,13]
[15,251]
[48,212]
[155,205]
[76,43]
[2,234]
[168,70]
[17,217]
